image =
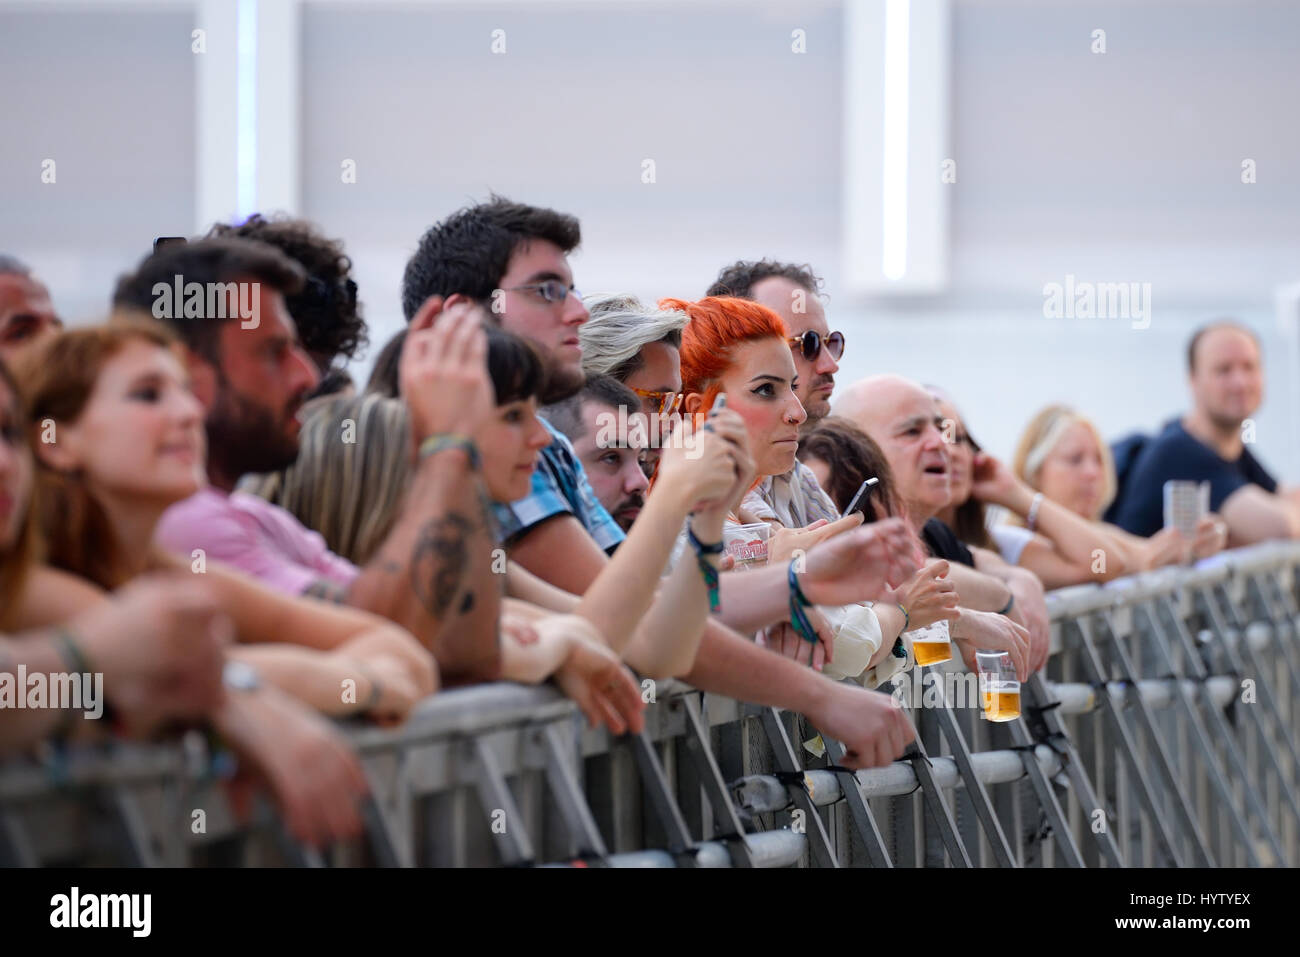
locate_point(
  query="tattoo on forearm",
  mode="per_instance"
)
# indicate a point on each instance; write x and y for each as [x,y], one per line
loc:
[439,559]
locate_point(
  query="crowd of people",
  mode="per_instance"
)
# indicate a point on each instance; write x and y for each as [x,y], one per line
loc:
[532,487]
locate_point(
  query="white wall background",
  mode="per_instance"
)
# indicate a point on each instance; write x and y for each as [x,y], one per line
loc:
[1117,167]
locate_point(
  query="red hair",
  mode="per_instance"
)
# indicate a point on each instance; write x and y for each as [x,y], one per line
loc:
[717,325]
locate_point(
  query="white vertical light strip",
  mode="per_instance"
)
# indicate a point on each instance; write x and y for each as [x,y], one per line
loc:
[896,128]
[894,197]
[246,100]
[279,108]
[216,120]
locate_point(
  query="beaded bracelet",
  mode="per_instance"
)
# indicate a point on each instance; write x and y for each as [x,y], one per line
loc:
[702,553]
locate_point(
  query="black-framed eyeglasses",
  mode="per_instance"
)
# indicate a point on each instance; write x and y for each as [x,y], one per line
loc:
[551,290]
[810,344]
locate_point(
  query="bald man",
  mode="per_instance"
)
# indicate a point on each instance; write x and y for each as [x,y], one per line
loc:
[904,420]
[1208,444]
[26,313]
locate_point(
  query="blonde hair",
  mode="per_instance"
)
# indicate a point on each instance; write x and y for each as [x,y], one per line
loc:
[1044,433]
[353,467]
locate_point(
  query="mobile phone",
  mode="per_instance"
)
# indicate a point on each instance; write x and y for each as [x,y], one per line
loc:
[719,403]
[859,503]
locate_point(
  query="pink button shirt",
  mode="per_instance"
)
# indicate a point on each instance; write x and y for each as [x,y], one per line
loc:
[254,536]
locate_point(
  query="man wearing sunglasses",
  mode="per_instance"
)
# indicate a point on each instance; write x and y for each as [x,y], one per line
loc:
[792,292]
[794,499]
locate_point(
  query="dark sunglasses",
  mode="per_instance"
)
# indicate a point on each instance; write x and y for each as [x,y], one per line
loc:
[810,344]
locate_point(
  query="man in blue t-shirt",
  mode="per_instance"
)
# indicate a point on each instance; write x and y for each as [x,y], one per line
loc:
[1206,445]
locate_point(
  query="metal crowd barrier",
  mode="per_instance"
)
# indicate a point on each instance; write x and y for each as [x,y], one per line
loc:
[1163,734]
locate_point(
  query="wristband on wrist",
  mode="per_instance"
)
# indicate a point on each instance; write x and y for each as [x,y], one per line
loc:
[451,440]
[1010,601]
[1031,518]
[702,553]
[66,642]
[798,602]
[907,619]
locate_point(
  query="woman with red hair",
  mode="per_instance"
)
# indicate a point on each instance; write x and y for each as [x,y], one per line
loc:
[738,347]
[741,348]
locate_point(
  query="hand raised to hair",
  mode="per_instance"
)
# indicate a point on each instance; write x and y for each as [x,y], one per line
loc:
[443,370]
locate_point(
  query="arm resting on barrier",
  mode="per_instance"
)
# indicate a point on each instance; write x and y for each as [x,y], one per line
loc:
[1254,515]
[869,724]
[359,638]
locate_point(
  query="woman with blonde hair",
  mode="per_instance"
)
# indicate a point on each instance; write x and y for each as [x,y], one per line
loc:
[352,450]
[1062,459]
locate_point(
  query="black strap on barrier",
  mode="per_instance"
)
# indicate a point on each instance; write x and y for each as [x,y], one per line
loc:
[792,778]
[914,753]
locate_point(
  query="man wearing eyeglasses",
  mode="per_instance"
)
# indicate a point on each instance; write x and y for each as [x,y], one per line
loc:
[501,253]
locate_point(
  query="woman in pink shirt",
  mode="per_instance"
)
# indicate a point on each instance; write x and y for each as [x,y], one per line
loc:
[119,438]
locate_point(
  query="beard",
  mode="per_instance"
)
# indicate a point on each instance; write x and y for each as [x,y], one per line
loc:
[818,408]
[637,501]
[244,436]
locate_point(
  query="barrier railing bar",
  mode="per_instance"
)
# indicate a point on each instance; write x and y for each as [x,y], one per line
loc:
[975,791]
[512,841]
[938,811]
[786,760]
[1281,733]
[1226,647]
[1224,735]
[569,797]
[1127,746]
[859,811]
[697,746]
[1040,703]
[661,797]
[1161,757]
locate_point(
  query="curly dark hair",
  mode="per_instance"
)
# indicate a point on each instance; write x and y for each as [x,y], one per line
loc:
[470,250]
[206,261]
[326,311]
[740,278]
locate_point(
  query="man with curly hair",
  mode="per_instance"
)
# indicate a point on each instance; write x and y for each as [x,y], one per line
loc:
[326,311]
